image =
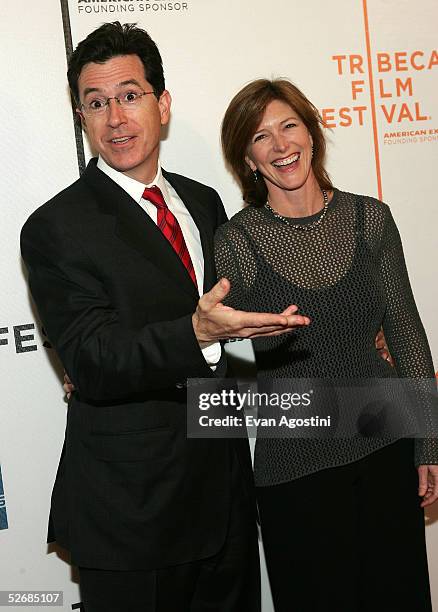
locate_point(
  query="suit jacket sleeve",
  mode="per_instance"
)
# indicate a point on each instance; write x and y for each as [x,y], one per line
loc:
[104,359]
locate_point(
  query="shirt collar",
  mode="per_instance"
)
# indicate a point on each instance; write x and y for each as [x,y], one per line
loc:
[132,187]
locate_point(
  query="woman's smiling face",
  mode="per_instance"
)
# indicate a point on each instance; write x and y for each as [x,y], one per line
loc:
[281,148]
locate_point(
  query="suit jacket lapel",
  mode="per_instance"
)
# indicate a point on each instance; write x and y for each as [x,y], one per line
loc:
[135,227]
[200,214]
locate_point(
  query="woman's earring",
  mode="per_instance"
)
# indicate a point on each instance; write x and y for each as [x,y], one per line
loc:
[256,176]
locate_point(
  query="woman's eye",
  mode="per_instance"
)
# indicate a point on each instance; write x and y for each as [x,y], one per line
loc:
[259,137]
[291,125]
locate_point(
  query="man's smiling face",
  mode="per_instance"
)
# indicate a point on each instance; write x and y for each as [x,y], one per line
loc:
[127,139]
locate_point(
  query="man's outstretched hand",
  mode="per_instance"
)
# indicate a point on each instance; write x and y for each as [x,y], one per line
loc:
[213,321]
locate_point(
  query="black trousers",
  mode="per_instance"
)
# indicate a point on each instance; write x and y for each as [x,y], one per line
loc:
[227,582]
[348,539]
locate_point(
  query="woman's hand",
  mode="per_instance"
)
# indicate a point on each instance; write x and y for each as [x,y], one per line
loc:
[68,386]
[428,484]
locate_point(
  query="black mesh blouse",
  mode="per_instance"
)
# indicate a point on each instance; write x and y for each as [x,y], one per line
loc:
[348,274]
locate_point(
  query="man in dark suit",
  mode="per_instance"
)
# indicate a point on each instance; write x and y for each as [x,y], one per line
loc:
[117,262]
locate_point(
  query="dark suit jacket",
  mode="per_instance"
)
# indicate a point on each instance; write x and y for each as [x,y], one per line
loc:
[132,492]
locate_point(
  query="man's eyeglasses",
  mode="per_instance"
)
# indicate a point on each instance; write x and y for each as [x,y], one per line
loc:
[128,101]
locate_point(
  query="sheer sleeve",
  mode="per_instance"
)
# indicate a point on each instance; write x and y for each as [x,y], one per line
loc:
[407,339]
[233,261]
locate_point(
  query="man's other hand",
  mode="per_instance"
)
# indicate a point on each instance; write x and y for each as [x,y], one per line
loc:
[382,347]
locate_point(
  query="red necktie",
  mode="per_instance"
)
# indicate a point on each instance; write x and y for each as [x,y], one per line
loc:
[170,228]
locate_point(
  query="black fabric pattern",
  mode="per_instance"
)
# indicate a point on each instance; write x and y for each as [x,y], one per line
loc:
[349,276]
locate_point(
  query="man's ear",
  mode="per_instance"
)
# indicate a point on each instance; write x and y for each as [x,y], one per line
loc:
[80,114]
[250,163]
[164,104]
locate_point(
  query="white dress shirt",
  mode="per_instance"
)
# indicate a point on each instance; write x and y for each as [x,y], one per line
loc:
[135,189]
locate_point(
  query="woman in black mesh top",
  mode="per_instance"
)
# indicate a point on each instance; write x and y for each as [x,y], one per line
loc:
[342,524]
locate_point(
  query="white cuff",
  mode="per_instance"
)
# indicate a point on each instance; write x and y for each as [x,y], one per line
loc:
[212,354]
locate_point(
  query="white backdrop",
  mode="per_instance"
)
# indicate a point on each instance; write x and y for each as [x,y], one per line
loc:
[370,66]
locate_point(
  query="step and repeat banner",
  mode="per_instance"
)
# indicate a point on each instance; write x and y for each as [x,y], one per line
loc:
[370,66]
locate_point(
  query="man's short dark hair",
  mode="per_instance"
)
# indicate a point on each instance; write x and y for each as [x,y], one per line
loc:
[113,40]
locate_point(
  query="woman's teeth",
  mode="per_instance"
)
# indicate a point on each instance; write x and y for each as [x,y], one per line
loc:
[287,161]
